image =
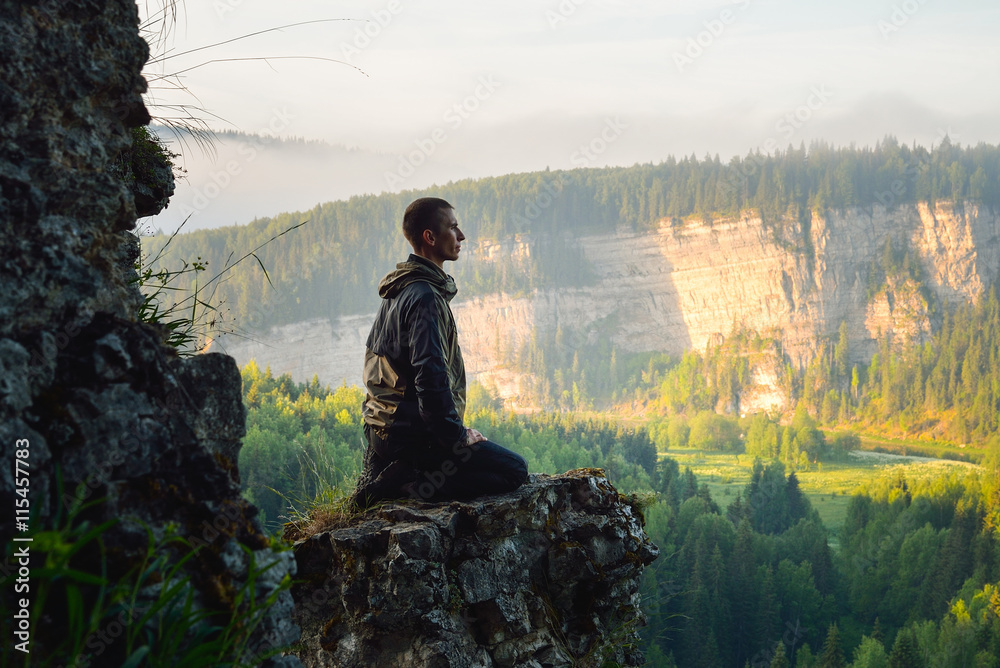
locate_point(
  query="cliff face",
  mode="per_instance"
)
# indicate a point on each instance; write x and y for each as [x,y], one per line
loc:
[93,401]
[682,287]
[545,576]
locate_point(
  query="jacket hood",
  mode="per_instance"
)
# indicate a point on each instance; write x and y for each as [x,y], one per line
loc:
[416,269]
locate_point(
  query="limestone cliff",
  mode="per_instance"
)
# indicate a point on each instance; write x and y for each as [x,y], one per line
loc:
[545,576]
[683,286]
[99,410]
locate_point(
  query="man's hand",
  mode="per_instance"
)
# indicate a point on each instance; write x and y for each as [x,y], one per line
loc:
[472,436]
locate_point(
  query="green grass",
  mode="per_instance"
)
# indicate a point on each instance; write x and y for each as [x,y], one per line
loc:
[828,485]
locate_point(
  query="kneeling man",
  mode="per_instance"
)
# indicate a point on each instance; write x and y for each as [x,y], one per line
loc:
[418,446]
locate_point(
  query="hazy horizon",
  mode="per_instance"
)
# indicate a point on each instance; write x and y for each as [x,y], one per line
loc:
[451,91]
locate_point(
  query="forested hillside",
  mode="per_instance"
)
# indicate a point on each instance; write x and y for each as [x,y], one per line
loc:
[946,389]
[330,266]
[749,581]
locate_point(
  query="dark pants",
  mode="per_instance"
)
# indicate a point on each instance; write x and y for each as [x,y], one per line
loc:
[465,472]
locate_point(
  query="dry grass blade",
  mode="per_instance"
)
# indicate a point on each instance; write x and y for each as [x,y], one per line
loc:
[236,39]
[266,59]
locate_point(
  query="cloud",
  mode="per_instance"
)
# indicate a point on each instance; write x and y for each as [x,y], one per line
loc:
[608,58]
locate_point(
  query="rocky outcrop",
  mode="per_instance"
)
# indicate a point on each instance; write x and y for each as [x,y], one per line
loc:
[900,309]
[92,400]
[545,576]
[685,285]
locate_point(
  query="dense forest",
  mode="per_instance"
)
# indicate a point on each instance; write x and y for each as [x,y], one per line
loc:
[912,584]
[331,265]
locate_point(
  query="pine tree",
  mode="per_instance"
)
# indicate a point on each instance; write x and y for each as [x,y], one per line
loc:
[780,660]
[798,505]
[905,653]
[804,657]
[690,484]
[743,592]
[877,633]
[768,614]
[737,512]
[870,654]
[833,654]
[841,353]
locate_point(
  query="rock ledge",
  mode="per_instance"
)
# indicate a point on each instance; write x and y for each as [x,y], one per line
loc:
[547,575]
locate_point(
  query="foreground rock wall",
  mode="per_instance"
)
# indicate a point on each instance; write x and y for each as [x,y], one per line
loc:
[86,390]
[545,576]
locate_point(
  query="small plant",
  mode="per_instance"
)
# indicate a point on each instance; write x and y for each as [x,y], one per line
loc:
[641,501]
[77,597]
[147,167]
[327,508]
[327,511]
[147,617]
[173,630]
[190,317]
[182,319]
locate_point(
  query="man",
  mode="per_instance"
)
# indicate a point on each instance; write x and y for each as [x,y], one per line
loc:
[418,446]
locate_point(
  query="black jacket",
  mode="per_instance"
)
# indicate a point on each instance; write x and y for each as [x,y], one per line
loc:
[413,370]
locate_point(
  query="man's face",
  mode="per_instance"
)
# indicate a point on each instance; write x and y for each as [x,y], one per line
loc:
[447,243]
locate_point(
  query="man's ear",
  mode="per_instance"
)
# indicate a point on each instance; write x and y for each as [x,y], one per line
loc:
[427,236]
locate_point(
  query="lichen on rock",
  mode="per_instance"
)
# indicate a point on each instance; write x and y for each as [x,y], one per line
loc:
[547,575]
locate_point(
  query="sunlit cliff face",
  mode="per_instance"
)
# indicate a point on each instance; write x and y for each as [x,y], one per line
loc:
[684,287]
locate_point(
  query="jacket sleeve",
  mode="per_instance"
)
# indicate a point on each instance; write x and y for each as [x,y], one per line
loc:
[431,384]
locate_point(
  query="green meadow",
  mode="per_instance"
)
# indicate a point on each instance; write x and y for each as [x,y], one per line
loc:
[828,485]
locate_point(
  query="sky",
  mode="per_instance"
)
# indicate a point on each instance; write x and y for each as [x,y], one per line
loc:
[429,91]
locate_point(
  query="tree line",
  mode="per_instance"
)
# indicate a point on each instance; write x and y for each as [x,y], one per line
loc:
[330,266]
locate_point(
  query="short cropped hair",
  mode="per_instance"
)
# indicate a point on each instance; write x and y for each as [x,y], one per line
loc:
[423,214]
